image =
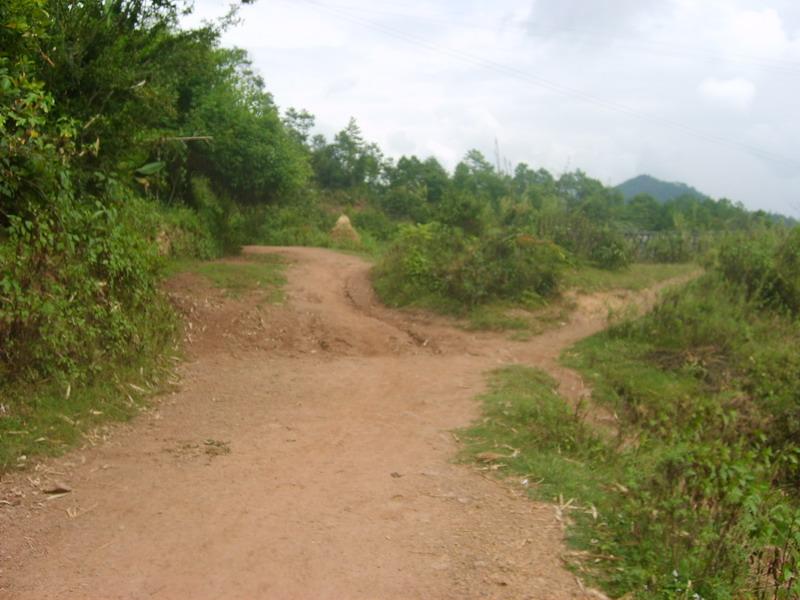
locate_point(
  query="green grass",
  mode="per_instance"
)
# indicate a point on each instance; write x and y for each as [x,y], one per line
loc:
[264,273]
[523,323]
[49,419]
[699,487]
[636,277]
[539,437]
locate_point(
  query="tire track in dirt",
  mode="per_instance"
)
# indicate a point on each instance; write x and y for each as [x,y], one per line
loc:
[307,454]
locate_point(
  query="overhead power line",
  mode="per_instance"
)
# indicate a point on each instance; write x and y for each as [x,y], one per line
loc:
[668,48]
[552,86]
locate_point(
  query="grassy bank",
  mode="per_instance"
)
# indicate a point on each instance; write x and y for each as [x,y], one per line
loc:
[637,276]
[47,419]
[265,273]
[698,493]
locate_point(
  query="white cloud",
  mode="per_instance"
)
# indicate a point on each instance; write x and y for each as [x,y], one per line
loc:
[734,93]
[758,32]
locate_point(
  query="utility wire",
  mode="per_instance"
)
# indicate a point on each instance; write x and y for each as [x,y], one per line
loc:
[657,47]
[555,87]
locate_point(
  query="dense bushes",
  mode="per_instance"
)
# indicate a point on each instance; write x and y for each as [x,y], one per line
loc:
[79,290]
[440,265]
[669,247]
[304,223]
[77,274]
[596,242]
[706,389]
[766,266]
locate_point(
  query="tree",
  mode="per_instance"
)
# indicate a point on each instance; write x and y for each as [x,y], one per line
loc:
[347,162]
[299,124]
[475,175]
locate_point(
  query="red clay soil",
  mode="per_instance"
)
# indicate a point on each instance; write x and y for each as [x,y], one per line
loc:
[308,453]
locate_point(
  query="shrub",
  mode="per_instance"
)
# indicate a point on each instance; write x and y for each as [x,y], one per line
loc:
[766,265]
[79,289]
[304,223]
[706,385]
[600,244]
[668,247]
[443,266]
[220,216]
[374,223]
[610,250]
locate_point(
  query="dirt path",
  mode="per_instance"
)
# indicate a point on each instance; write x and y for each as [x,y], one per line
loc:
[307,454]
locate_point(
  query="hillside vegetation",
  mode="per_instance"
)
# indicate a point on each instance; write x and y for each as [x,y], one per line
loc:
[697,493]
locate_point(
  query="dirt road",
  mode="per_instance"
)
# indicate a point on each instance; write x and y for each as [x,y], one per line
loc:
[307,454]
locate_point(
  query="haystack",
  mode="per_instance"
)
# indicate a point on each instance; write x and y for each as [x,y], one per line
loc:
[344,231]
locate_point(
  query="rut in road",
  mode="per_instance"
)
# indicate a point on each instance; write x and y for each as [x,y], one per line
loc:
[308,454]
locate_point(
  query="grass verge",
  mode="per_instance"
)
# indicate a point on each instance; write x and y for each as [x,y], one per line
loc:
[636,277]
[264,273]
[50,418]
[698,496]
[523,323]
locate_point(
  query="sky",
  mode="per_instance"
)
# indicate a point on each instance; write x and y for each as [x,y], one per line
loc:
[699,91]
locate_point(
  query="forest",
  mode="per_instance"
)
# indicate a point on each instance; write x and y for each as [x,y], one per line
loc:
[128,143]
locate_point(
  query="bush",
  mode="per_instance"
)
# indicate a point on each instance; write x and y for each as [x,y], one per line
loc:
[600,244]
[671,247]
[220,216]
[766,265]
[375,223]
[79,289]
[304,223]
[611,251]
[439,265]
[706,385]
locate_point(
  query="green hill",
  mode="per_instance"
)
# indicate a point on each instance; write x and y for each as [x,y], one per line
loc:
[663,191]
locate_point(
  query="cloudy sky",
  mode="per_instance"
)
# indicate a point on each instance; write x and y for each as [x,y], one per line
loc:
[701,91]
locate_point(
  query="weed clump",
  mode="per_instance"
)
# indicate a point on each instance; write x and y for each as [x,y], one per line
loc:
[441,266]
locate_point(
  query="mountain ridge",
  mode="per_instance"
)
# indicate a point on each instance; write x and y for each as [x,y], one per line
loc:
[663,191]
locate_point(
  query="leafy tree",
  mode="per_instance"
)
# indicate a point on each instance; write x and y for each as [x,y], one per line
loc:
[348,162]
[475,175]
[250,153]
[643,211]
[299,124]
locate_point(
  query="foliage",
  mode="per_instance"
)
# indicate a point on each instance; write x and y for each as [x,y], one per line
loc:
[765,265]
[250,155]
[696,493]
[443,265]
[375,223]
[79,289]
[600,244]
[708,391]
[304,223]
[348,162]
[668,247]
[120,138]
